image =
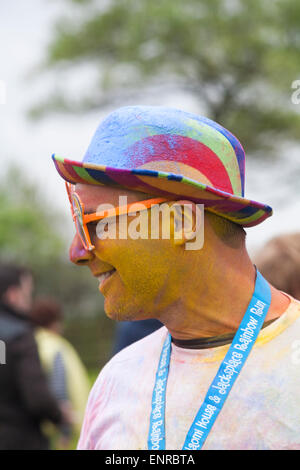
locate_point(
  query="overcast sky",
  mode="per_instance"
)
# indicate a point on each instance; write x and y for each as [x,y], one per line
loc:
[25,30]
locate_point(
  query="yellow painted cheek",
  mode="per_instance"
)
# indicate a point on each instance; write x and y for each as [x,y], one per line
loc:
[143,278]
[145,281]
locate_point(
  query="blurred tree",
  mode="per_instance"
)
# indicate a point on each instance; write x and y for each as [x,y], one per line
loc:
[237,57]
[32,233]
[28,226]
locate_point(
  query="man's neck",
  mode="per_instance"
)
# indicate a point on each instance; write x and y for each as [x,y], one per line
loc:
[218,306]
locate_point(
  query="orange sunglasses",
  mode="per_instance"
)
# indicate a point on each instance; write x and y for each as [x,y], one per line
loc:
[81,219]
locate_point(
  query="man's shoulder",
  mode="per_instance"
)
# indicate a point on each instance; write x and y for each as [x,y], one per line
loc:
[141,354]
[283,330]
[292,313]
[11,327]
[136,360]
[148,345]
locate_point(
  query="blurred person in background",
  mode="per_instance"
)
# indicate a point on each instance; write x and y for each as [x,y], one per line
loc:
[279,261]
[26,401]
[68,379]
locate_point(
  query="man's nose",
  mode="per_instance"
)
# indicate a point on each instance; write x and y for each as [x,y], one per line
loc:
[78,254]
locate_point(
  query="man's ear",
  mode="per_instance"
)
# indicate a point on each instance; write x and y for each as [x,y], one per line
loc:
[186,221]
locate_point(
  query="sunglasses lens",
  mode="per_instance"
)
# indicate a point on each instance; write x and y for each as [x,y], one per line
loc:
[79,220]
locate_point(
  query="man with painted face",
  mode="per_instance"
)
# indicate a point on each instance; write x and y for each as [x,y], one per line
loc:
[220,373]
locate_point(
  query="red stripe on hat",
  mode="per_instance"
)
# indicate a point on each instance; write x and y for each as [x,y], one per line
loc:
[177,148]
[62,170]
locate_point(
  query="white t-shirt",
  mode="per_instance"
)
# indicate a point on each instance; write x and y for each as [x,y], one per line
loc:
[262,410]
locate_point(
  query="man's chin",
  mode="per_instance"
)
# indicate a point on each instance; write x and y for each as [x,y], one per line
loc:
[119,313]
[115,313]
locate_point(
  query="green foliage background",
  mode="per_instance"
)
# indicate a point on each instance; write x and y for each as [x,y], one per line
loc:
[237,58]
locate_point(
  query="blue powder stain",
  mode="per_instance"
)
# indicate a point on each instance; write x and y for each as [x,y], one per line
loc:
[126,126]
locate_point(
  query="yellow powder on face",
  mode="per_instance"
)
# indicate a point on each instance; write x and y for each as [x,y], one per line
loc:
[146,280]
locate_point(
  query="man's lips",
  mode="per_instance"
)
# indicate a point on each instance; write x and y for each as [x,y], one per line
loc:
[104,276]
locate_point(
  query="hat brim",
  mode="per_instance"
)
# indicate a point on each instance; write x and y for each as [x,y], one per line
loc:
[239,210]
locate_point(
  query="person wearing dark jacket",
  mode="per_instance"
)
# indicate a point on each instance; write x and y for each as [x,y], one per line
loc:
[25,399]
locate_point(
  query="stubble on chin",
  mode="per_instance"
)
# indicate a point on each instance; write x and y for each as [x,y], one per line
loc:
[119,313]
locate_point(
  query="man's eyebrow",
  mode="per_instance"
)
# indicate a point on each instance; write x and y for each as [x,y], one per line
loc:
[92,211]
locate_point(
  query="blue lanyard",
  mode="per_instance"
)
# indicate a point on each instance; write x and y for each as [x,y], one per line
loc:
[220,387]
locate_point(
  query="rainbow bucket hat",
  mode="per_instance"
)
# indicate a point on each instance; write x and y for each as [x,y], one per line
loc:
[172,154]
